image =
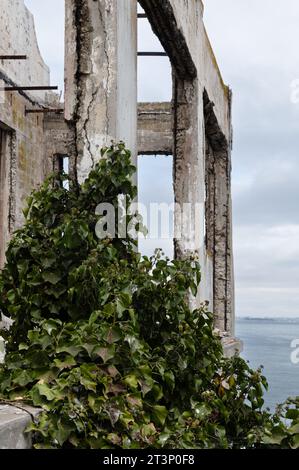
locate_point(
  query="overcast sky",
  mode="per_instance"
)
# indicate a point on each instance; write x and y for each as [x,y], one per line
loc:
[256,44]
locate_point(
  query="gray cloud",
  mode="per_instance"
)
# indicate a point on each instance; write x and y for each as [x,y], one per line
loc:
[272,195]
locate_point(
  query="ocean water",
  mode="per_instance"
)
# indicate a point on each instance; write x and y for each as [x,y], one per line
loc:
[267,342]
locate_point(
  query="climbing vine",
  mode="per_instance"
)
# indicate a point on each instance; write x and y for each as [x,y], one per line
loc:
[104,342]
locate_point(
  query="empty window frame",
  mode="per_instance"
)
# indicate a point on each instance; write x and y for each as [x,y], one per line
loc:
[156,198]
[61,165]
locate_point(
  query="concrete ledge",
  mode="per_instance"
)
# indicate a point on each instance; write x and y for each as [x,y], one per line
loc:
[13,422]
[232,346]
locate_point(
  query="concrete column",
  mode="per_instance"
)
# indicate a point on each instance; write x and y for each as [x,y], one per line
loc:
[8,163]
[189,180]
[186,171]
[101,76]
[221,243]
[230,321]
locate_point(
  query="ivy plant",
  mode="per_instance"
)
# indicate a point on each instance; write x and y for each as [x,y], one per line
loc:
[104,342]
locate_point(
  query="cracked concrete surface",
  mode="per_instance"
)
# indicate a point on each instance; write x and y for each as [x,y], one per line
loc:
[98,78]
[155,129]
[22,139]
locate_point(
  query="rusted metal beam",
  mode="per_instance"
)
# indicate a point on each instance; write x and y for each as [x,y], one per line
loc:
[152,54]
[44,111]
[28,88]
[13,57]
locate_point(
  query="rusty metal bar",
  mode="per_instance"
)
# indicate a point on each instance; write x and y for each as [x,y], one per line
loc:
[28,88]
[44,110]
[152,54]
[13,57]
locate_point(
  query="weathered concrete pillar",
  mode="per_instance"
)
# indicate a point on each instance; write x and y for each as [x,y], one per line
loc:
[186,170]
[219,218]
[230,323]
[189,179]
[101,76]
[5,153]
[220,240]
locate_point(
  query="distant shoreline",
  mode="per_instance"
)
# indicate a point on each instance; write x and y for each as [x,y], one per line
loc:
[270,319]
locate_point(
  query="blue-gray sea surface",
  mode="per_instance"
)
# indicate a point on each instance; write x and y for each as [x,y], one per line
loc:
[267,342]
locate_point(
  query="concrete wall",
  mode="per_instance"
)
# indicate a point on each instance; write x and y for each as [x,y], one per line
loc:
[59,139]
[18,37]
[155,129]
[188,16]
[24,155]
[101,76]
[23,165]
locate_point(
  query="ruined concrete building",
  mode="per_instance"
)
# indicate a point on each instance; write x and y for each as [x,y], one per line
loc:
[101,105]
[27,139]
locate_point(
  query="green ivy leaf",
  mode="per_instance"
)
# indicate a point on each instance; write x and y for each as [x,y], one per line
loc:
[163,438]
[46,391]
[295,442]
[105,353]
[66,363]
[113,335]
[294,429]
[159,414]
[23,377]
[48,262]
[131,381]
[63,432]
[51,277]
